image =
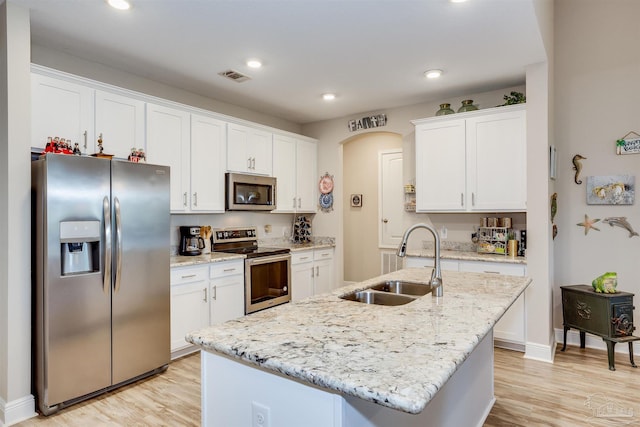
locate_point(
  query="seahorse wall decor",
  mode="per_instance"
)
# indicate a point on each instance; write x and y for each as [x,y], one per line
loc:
[577,166]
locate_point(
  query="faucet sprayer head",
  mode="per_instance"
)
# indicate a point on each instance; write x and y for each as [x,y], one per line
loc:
[402,249]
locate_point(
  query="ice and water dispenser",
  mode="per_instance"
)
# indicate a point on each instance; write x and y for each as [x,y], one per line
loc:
[79,247]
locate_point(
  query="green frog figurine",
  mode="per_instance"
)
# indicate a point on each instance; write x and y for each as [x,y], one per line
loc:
[607,283]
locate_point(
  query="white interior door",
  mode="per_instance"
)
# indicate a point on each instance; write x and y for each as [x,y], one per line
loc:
[391,200]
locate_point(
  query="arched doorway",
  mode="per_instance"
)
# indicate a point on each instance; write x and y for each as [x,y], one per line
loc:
[361,158]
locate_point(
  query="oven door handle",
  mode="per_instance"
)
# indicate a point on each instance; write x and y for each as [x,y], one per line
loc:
[267,259]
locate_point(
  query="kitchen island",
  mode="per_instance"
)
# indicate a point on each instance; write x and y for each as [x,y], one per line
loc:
[325,361]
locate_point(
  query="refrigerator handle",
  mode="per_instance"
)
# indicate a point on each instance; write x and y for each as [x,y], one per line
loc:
[107,245]
[116,205]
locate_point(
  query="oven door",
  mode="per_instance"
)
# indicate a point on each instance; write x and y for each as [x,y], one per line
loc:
[267,282]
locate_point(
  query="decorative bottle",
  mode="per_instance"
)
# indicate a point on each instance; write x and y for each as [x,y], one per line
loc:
[467,105]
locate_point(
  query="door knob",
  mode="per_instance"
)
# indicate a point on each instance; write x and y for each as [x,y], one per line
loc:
[385,220]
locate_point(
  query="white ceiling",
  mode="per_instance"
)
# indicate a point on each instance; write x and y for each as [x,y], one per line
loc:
[371,53]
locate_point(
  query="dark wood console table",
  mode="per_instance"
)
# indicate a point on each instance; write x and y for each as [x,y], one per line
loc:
[609,316]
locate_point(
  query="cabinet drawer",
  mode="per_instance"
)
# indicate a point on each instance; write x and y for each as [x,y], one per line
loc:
[445,265]
[320,254]
[493,267]
[181,275]
[301,257]
[224,269]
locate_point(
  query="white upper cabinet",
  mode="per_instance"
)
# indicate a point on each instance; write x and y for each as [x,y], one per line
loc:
[294,166]
[249,149]
[284,169]
[168,133]
[63,109]
[472,161]
[440,166]
[497,160]
[72,111]
[307,176]
[194,147]
[208,147]
[120,124]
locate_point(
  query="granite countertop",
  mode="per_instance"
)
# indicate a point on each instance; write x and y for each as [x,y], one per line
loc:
[467,256]
[317,242]
[182,261]
[396,356]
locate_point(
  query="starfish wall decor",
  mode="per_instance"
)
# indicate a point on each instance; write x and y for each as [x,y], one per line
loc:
[588,224]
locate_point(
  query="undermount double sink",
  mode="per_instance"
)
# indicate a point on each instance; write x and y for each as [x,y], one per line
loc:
[390,292]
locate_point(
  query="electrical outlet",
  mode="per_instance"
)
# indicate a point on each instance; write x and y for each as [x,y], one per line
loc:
[443,232]
[260,415]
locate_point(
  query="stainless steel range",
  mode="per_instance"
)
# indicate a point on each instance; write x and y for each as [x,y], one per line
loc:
[267,271]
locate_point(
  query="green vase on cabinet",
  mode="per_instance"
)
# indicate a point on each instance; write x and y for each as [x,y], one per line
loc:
[467,105]
[444,110]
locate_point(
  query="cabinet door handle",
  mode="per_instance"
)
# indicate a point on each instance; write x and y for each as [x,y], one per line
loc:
[473,199]
[299,202]
[184,199]
[491,272]
[253,163]
[85,140]
[215,293]
[303,258]
[205,295]
[188,276]
[313,273]
[228,270]
[317,271]
[461,199]
[324,254]
[385,220]
[248,162]
[195,199]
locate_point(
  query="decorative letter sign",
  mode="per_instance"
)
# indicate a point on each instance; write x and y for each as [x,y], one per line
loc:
[368,122]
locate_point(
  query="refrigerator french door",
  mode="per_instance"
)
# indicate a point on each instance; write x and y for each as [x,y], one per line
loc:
[101,275]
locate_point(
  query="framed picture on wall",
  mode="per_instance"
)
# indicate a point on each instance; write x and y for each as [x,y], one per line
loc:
[356,200]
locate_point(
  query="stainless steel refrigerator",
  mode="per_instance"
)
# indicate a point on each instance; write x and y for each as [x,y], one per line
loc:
[100,276]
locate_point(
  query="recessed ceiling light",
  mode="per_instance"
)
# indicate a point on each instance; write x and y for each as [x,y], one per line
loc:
[432,74]
[119,4]
[329,96]
[254,63]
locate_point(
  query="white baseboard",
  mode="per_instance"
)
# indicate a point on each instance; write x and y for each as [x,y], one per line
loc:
[544,353]
[592,341]
[17,410]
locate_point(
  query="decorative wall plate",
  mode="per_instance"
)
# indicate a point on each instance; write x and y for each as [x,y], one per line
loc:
[326,201]
[326,183]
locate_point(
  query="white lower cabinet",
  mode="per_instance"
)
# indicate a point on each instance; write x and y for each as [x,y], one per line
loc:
[189,303]
[227,291]
[311,273]
[510,331]
[204,295]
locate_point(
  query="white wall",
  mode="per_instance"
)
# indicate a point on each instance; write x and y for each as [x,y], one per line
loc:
[16,401]
[597,75]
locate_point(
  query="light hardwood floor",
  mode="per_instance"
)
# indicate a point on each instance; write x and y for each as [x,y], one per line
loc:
[528,393]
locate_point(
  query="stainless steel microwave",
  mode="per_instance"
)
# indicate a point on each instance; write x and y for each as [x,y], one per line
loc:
[250,192]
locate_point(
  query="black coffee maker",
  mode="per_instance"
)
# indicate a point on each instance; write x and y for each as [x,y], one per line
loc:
[191,243]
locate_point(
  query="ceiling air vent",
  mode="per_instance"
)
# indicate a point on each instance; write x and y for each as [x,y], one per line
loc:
[236,76]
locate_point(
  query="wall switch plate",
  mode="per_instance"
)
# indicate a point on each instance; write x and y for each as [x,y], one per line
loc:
[260,415]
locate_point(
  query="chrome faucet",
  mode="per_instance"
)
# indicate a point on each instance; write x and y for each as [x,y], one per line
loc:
[436,274]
